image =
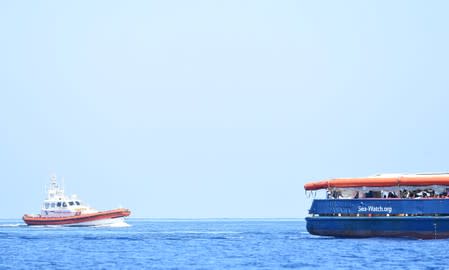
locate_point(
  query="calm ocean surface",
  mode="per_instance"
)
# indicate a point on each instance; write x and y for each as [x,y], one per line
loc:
[207,244]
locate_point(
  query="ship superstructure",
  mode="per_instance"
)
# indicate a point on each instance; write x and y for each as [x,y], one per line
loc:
[393,205]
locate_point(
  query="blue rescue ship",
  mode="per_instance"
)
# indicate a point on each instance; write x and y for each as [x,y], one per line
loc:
[393,205]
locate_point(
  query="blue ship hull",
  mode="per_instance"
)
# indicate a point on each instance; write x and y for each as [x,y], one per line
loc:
[414,227]
[424,219]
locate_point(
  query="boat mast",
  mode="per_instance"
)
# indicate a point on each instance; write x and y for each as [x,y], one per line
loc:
[54,190]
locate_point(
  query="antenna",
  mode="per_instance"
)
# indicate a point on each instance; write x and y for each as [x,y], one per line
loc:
[53,183]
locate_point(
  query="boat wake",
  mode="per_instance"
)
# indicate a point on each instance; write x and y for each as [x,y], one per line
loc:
[121,224]
[198,232]
[12,225]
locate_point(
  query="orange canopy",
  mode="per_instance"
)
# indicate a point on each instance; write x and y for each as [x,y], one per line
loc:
[408,180]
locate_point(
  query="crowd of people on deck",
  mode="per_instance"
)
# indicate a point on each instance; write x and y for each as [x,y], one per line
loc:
[402,194]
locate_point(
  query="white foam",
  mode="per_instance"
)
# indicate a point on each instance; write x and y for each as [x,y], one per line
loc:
[12,225]
[120,224]
[198,232]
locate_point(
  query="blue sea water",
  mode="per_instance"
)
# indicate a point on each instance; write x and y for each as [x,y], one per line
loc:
[207,244]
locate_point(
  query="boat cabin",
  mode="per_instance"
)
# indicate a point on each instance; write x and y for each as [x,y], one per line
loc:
[58,204]
[63,204]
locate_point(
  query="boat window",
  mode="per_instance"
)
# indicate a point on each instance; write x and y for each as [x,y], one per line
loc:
[47,205]
[53,205]
[64,204]
[77,203]
[58,204]
[71,203]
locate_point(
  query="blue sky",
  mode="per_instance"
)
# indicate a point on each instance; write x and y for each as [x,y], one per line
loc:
[206,109]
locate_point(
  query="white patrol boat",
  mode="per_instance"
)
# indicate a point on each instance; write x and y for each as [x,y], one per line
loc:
[59,209]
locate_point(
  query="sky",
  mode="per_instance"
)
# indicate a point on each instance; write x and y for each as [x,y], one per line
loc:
[217,109]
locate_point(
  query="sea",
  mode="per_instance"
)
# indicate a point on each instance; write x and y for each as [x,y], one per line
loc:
[208,244]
